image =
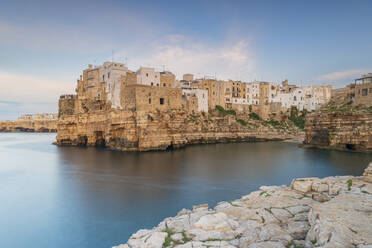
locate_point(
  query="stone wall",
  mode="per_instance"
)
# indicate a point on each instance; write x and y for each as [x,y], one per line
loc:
[363,94]
[29,126]
[350,131]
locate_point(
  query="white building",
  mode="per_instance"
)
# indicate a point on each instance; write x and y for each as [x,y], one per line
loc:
[201,95]
[148,76]
[307,97]
[111,73]
[253,93]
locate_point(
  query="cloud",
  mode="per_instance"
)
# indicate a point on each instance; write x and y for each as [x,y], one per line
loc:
[231,60]
[45,38]
[341,75]
[31,94]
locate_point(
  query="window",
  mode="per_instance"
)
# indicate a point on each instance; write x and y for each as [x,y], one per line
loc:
[294,98]
[364,92]
[149,100]
[370,90]
[161,101]
[164,85]
[147,74]
[157,84]
[152,84]
[108,75]
[103,77]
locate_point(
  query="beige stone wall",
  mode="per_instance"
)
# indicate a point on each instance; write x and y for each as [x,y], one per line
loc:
[149,98]
[130,78]
[216,92]
[28,126]
[167,80]
[363,94]
[264,93]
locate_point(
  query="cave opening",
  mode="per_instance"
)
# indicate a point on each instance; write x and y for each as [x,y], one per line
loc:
[100,140]
[350,147]
[170,147]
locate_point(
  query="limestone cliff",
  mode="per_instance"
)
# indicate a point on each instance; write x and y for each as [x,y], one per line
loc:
[341,130]
[161,130]
[29,126]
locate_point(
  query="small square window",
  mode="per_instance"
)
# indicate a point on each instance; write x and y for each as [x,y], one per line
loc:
[364,92]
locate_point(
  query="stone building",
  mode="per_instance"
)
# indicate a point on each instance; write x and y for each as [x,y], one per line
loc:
[307,97]
[102,82]
[139,97]
[216,92]
[201,97]
[148,76]
[188,77]
[253,92]
[238,92]
[167,79]
[363,90]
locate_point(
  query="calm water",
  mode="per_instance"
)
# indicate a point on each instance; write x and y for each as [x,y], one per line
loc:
[87,197]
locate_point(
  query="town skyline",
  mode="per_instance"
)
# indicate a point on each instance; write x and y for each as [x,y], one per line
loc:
[45,46]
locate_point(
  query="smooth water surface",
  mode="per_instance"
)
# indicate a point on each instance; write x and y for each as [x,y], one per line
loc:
[86,197]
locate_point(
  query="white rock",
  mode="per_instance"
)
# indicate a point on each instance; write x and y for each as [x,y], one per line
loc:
[153,240]
[121,246]
[303,184]
[298,229]
[177,236]
[218,221]
[267,244]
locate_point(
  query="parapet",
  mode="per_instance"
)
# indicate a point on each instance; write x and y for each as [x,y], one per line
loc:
[68,96]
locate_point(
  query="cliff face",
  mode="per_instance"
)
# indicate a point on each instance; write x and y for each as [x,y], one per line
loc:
[160,130]
[340,130]
[29,126]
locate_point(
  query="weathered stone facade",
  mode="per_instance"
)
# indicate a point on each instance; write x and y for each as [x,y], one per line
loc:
[154,117]
[350,131]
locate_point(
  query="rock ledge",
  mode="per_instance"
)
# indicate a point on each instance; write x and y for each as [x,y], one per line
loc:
[311,212]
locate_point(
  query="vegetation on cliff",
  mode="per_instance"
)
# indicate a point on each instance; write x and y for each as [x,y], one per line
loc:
[336,107]
[298,117]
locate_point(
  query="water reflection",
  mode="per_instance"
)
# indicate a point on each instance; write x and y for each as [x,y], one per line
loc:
[80,197]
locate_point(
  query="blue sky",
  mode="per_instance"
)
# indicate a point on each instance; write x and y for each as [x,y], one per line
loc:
[44,45]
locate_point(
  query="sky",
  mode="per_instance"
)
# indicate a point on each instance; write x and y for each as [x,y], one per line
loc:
[44,45]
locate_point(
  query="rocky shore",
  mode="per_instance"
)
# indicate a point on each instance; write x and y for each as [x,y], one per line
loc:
[311,212]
